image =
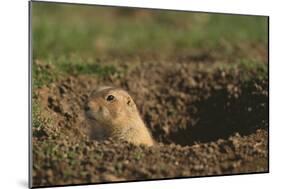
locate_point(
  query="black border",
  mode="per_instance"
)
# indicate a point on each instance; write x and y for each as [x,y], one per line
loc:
[30,159]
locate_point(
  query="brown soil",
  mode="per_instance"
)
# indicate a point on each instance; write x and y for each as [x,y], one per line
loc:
[207,120]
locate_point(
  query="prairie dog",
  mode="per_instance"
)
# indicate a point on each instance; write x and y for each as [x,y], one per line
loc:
[113,113]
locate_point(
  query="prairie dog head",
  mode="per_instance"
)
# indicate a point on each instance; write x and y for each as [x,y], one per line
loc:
[109,107]
[113,113]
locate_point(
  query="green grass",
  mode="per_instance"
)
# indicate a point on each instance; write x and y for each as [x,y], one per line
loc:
[91,31]
[51,70]
[80,67]
[39,122]
[259,69]
[70,38]
[248,69]
[42,75]
[36,115]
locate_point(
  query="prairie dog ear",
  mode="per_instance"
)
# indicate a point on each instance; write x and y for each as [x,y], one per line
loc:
[100,88]
[130,102]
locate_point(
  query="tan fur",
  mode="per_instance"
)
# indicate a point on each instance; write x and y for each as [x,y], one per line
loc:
[118,118]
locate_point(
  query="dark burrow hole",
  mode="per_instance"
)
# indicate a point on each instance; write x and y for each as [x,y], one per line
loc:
[221,115]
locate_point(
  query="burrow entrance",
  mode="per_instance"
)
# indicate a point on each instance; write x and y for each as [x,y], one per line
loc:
[221,115]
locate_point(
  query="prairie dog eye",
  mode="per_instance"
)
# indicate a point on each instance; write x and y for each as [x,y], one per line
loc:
[110,98]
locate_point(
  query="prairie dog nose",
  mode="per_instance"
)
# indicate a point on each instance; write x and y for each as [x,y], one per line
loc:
[87,107]
[93,106]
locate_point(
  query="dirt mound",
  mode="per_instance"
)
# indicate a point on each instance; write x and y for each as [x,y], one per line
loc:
[207,119]
[92,162]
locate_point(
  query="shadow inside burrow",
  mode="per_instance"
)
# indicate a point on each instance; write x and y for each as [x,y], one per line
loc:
[222,115]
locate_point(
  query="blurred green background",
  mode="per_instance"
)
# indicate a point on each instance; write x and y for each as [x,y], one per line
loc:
[93,31]
[64,35]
